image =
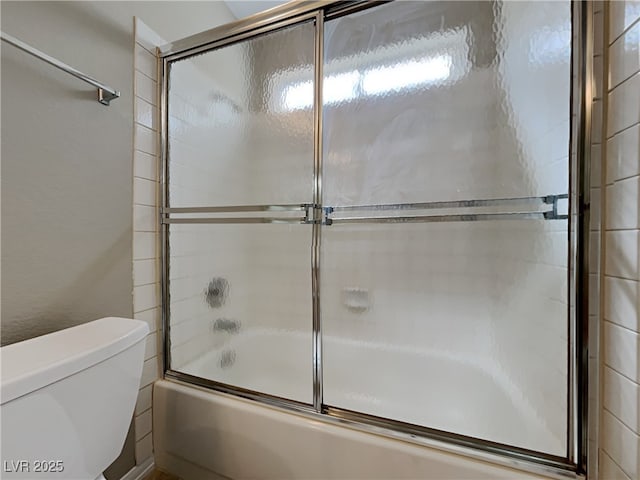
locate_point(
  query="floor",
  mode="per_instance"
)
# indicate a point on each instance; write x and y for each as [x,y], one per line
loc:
[158,475]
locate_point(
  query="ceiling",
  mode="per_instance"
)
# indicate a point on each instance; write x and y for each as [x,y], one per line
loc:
[245,8]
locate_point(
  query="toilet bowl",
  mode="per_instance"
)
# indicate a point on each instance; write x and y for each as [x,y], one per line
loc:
[67,399]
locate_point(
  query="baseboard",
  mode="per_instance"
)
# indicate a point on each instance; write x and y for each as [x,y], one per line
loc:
[139,472]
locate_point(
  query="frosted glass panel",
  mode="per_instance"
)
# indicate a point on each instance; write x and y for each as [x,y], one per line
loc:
[460,327]
[233,140]
[433,101]
[240,306]
[457,326]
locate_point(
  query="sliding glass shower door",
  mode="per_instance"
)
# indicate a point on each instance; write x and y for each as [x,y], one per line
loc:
[367,218]
[240,169]
[444,274]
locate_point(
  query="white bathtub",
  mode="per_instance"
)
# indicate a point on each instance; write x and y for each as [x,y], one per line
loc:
[199,432]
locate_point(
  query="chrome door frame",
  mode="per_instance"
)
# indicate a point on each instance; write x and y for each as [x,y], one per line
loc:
[574,465]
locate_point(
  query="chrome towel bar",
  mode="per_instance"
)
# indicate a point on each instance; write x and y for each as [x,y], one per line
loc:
[105,93]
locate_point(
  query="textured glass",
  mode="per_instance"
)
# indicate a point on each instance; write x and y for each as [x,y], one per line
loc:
[236,134]
[240,303]
[454,326]
[459,326]
[431,101]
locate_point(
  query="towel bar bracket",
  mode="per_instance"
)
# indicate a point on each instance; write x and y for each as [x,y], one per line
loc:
[105,97]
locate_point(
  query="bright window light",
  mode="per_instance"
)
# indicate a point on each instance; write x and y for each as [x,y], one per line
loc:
[337,88]
[340,88]
[298,96]
[406,74]
[347,86]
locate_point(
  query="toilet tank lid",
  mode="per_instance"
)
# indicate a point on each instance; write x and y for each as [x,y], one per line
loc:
[35,363]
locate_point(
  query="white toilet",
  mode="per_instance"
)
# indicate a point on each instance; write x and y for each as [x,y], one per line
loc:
[67,399]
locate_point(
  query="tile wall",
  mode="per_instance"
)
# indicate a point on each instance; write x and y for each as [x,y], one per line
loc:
[146,245]
[620,357]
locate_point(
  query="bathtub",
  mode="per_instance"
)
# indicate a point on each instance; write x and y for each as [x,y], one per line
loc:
[201,434]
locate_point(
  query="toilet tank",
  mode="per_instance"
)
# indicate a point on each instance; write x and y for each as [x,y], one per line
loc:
[67,398]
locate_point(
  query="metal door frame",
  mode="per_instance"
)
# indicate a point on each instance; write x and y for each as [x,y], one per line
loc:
[575,463]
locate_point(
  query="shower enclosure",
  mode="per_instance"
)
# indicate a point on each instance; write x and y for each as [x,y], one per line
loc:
[373,213]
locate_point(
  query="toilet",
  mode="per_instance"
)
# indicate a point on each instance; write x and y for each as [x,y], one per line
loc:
[67,399]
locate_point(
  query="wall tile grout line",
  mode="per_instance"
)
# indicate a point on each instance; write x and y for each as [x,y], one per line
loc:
[151,131]
[629,229]
[143,411]
[144,48]
[145,101]
[620,373]
[144,285]
[143,178]
[622,82]
[148,309]
[634,382]
[622,130]
[626,229]
[608,275]
[143,437]
[621,179]
[620,420]
[150,78]
[606,320]
[626,30]
[616,464]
